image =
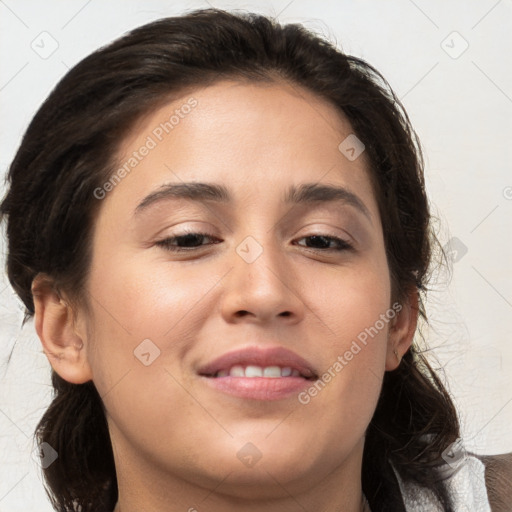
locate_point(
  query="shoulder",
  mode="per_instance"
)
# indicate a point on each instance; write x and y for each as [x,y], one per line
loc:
[498,480]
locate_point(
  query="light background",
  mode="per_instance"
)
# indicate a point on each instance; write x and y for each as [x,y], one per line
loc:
[460,102]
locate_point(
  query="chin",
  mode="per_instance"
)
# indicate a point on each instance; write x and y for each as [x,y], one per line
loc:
[263,481]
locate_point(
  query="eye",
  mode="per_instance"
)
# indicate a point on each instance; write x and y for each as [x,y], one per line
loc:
[187,241]
[322,240]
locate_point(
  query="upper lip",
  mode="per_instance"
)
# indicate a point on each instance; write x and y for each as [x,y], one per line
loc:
[257,356]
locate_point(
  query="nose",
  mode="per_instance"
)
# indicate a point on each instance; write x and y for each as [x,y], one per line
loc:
[262,285]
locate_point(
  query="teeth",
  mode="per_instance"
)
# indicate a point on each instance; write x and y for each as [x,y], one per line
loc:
[237,371]
[286,371]
[271,372]
[254,371]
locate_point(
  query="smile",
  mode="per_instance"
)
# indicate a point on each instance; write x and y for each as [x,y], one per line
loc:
[251,371]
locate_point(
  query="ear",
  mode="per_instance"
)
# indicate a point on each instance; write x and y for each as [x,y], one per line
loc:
[54,325]
[402,329]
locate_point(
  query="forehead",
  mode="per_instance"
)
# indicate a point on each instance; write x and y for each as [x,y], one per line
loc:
[254,138]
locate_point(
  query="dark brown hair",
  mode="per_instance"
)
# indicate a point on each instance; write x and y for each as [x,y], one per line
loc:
[68,151]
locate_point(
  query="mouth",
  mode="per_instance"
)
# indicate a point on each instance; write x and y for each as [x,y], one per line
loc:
[267,372]
[261,374]
[252,362]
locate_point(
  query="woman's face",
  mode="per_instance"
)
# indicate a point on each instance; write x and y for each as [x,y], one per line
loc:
[269,277]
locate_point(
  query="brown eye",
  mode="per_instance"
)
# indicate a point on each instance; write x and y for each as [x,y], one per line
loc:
[187,241]
[320,241]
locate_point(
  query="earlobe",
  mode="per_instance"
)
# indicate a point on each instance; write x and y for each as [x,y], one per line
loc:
[54,325]
[401,330]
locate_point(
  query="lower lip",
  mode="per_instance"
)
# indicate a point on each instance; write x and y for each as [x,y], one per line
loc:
[259,388]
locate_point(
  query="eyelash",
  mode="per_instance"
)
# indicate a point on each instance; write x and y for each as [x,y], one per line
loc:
[166,243]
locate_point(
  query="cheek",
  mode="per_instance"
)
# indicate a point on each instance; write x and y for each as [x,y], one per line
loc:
[169,304]
[140,300]
[141,326]
[349,300]
[354,313]
[137,311]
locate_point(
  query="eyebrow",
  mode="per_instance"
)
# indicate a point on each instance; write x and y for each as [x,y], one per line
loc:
[306,193]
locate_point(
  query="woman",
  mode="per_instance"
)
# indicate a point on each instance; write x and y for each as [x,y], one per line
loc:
[220,227]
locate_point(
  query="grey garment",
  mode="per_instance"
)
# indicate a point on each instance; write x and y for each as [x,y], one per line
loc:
[465,479]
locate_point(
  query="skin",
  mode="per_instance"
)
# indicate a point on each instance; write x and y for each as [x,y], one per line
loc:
[175,439]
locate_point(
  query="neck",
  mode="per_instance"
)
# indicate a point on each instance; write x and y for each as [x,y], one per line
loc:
[336,489]
[365,507]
